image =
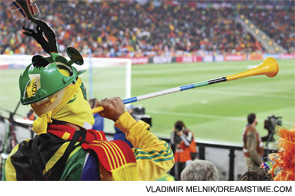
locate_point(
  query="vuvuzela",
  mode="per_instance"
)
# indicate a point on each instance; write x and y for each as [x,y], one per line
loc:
[268,67]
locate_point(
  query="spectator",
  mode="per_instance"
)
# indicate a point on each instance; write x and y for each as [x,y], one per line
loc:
[255,173]
[65,147]
[200,170]
[252,143]
[184,147]
[98,120]
[31,115]
[130,29]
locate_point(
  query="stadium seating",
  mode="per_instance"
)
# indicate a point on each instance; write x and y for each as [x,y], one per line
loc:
[130,29]
[279,25]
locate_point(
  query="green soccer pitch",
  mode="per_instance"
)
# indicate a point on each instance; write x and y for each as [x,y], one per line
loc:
[216,112]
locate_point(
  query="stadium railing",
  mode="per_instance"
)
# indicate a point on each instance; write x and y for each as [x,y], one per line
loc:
[203,145]
[227,157]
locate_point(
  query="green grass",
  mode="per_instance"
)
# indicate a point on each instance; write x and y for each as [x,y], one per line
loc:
[216,112]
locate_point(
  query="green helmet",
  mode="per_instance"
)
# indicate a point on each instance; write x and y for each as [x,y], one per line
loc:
[48,75]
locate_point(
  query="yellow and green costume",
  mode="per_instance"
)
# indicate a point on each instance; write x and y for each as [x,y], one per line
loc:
[90,156]
[59,152]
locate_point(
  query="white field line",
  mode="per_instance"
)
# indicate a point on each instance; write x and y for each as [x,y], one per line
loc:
[210,116]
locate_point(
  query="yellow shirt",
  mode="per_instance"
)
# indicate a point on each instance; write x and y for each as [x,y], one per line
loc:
[154,157]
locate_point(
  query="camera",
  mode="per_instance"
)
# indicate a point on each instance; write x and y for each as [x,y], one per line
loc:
[178,127]
[138,112]
[270,124]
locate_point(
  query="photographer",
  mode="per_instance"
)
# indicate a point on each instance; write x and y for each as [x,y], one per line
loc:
[184,148]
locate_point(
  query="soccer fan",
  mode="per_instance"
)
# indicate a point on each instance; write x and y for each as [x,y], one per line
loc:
[253,146]
[184,147]
[200,170]
[65,147]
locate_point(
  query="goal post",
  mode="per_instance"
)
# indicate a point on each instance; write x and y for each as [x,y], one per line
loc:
[107,77]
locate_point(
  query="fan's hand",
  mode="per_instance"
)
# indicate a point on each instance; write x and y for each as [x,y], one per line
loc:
[113,108]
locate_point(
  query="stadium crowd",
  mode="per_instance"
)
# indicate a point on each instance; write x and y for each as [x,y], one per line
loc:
[132,29]
[118,29]
[278,24]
